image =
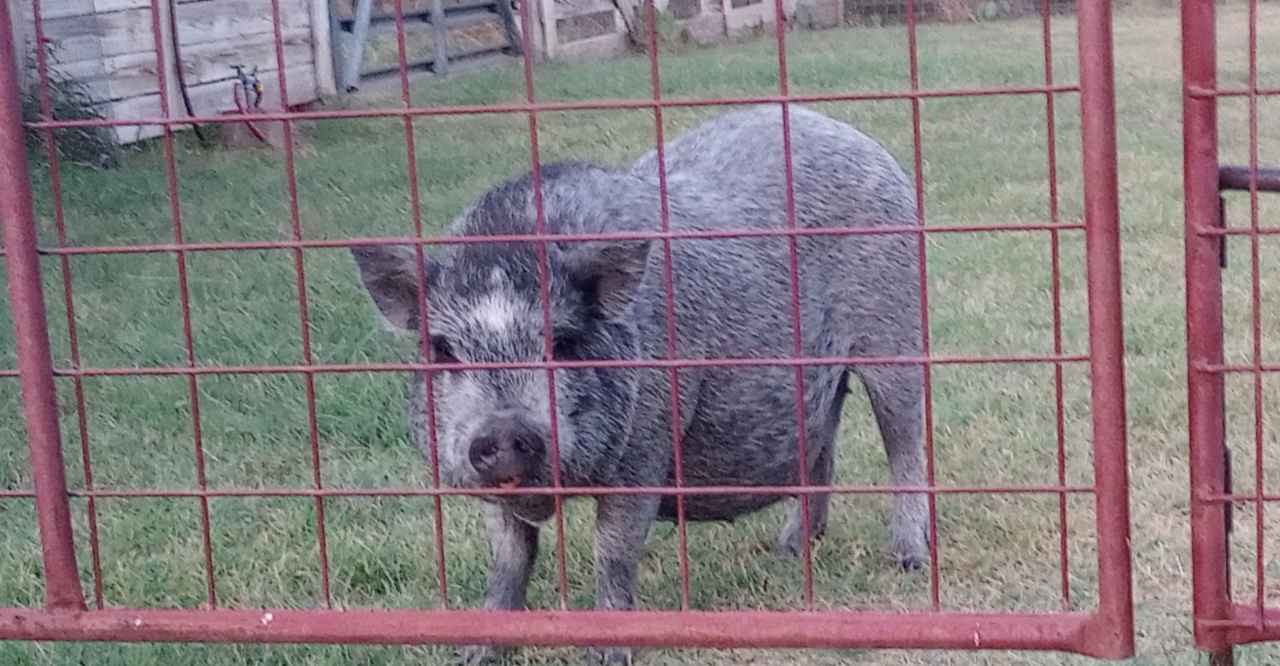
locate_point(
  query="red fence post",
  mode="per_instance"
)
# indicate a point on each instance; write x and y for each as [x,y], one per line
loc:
[31,335]
[1206,427]
[1114,629]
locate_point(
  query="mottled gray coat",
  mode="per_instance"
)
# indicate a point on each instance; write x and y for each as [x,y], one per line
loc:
[859,296]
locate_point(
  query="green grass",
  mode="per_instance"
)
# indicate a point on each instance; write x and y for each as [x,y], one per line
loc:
[984,163]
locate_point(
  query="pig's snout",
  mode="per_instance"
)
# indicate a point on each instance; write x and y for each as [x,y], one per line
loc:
[507,451]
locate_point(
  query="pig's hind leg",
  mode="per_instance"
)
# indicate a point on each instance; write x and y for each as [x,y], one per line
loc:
[820,473]
[897,398]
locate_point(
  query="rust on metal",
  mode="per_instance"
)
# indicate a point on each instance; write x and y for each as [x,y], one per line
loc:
[1106,328]
[31,340]
[705,629]
[539,107]
[1220,622]
[1206,424]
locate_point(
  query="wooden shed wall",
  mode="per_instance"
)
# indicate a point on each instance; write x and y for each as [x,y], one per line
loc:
[109,46]
[592,28]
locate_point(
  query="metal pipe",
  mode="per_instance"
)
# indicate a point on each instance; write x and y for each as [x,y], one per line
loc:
[1106,329]
[31,335]
[1206,427]
[1237,178]
[702,629]
[583,105]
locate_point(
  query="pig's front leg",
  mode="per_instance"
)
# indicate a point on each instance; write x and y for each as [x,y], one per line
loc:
[515,549]
[622,526]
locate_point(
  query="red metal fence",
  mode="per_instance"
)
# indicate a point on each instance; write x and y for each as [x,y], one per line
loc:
[1220,620]
[1104,631]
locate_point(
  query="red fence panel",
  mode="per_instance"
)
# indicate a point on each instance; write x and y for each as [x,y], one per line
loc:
[1221,618]
[1105,630]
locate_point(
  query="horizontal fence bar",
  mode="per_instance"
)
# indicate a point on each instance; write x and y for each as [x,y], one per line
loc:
[1200,92]
[1246,625]
[549,107]
[339,368]
[568,491]
[1072,632]
[1232,368]
[1238,231]
[1239,497]
[352,368]
[1240,178]
[780,232]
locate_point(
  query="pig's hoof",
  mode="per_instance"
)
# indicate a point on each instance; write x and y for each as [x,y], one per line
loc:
[791,539]
[912,555]
[480,655]
[792,545]
[912,562]
[788,545]
[609,657]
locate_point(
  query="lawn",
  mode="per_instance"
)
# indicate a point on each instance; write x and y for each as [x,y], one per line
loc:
[984,162]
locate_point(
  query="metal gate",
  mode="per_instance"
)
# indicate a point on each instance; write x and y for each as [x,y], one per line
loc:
[1211,185]
[1104,631]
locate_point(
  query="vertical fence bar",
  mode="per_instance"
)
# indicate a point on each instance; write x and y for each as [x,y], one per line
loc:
[304,308]
[31,335]
[668,285]
[1055,284]
[1255,323]
[797,335]
[1106,328]
[424,321]
[544,291]
[1205,391]
[68,298]
[184,298]
[922,252]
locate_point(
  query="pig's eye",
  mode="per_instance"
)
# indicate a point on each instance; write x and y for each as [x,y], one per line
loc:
[567,346]
[441,351]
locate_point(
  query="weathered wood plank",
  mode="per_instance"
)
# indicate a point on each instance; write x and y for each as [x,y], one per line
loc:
[129,31]
[322,48]
[117,77]
[64,8]
[57,8]
[748,17]
[345,9]
[208,99]
[439,38]
[105,6]
[355,46]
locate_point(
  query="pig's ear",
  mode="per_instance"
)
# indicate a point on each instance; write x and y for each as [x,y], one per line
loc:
[610,271]
[390,274]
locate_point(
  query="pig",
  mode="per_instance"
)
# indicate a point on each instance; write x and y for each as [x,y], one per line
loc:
[858,297]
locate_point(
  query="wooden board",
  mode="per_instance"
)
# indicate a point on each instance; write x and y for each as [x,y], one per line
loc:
[207,99]
[345,9]
[118,77]
[322,48]
[54,9]
[109,46]
[747,17]
[383,49]
[97,36]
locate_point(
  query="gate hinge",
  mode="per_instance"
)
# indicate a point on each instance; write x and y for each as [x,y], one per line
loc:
[1222,224]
